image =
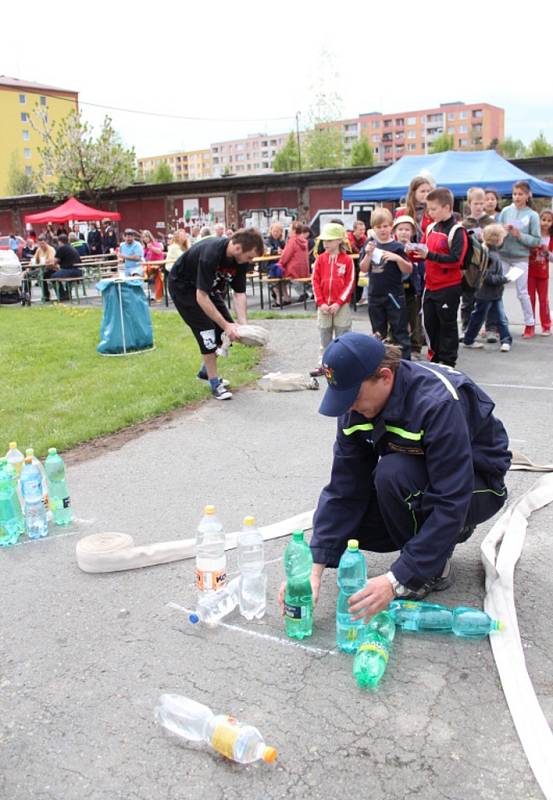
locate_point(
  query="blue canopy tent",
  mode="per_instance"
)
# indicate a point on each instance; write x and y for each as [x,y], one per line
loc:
[456,170]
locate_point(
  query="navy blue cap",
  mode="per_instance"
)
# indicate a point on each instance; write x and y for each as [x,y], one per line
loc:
[348,361]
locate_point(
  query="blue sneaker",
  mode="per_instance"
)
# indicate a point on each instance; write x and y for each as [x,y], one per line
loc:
[202,376]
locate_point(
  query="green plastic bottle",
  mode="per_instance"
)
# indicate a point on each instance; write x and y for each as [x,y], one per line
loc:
[12,524]
[298,598]
[371,659]
[58,493]
[468,623]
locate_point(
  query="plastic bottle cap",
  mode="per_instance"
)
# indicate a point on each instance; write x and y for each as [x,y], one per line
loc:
[52,451]
[353,544]
[193,618]
[13,445]
[499,626]
[29,451]
[270,755]
[209,510]
[297,536]
[249,521]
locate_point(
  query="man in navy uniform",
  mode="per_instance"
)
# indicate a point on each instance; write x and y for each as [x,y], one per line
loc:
[419,461]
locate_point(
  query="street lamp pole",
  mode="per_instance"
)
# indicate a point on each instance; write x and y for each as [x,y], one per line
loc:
[298,138]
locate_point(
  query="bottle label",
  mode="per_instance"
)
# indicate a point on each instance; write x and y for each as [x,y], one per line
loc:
[66,502]
[207,581]
[375,647]
[294,612]
[351,635]
[225,735]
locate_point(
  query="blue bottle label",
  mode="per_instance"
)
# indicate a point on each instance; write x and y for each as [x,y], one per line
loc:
[66,502]
[293,612]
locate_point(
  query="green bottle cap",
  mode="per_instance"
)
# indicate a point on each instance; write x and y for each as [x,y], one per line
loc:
[52,451]
[297,536]
[353,544]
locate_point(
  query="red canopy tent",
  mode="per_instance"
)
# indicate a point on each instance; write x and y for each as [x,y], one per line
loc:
[72,209]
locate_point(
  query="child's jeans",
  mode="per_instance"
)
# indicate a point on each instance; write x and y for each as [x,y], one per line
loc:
[332,325]
[479,312]
[390,310]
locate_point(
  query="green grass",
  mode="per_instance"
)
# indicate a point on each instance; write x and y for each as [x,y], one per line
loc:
[281,315]
[58,392]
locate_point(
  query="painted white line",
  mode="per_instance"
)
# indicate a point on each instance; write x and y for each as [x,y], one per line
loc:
[51,538]
[516,386]
[276,639]
[519,440]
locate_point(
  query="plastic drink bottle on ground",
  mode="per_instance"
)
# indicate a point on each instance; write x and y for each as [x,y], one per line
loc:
[371,659]
[410,615]
[211,561]
[60,502]
[253,583]
[212,607]
[351,577]
[11,516]
[197,723]
[36,462]
[472,623]
[36,520]
[469,623]
[298,597]
[16,458]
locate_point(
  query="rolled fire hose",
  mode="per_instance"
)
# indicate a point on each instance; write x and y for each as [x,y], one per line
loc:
[500,552]
[115,552]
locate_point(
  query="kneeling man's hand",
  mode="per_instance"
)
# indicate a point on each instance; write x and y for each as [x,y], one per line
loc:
[375,597]
[316,575]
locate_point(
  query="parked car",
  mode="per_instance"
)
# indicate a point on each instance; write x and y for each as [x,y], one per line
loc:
[5,244]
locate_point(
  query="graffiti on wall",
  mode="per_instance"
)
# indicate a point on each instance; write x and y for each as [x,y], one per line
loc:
[263,218]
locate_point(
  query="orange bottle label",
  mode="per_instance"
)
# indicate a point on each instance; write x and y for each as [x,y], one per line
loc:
[205,581]
[225,735]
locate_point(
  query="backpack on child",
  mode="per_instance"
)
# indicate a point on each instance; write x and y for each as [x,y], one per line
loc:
[476,261]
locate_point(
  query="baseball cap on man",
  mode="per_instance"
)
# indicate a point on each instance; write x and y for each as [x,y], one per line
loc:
[348,361]
[332,231]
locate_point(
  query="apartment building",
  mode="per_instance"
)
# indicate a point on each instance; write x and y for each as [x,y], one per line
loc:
[22,103]
[413,132]
[185,165]
[255,153]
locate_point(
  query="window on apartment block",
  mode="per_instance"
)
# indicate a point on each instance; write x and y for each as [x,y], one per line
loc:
[24,116]
[411,134]
[463,115]
[376,123]
[42,100]
[451,115]
[27,152]
[411,120]
[463,129]
[411,147]
[29,171]
[25,136]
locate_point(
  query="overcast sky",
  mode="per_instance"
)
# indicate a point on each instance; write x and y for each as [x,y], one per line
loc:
[247,67]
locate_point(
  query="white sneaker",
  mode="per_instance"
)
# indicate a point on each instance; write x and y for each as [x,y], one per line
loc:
[545,333]
[474,345]
[221,392]
[505,347]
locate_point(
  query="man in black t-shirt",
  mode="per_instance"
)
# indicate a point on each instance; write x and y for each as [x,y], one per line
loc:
[197,284]
[67,258]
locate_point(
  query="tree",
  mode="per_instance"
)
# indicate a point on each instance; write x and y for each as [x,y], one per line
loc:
[511,148]
[162,174]
[443,142]
[324,148]
[18,181]
[75,162]
[539,147]
[362,154]
[287,159]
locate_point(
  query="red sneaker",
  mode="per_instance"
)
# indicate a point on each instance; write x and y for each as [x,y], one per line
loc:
[529,332]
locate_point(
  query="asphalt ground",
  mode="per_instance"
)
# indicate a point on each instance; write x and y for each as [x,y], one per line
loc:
[84,658]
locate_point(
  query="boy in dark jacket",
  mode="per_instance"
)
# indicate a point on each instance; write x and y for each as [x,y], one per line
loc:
[488,295]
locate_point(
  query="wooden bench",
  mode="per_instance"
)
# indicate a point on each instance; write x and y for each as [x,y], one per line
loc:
[277,283]
[70,283]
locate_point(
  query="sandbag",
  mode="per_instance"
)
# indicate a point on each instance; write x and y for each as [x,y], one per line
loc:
[250,335]
[287,382]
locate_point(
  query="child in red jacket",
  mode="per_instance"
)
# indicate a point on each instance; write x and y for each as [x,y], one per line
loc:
[538,271]
[333,284]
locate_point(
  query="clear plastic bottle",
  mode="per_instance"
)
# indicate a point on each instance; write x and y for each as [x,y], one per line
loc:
[16,458]
[36,462]
[211,560]
[410,615]
[212,607]
[60,502]
[371,659]
[469,623]
[11,516]
[251,561]
[351,577]
[36,519]
[473,623]
[195,722]
[298,597]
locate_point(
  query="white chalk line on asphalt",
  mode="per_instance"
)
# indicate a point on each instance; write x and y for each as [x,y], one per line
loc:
[267,636]
[517,386]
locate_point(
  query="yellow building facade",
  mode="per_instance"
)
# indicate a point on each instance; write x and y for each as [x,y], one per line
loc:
[21,103]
